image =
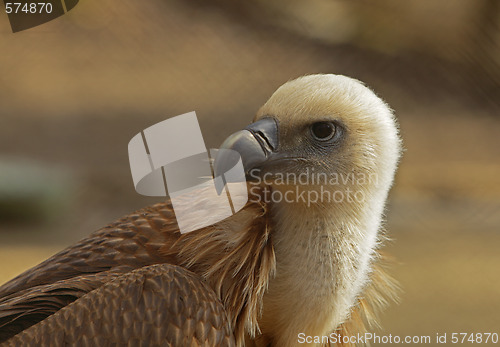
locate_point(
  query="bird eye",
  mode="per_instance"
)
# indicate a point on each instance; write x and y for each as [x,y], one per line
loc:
[323,131]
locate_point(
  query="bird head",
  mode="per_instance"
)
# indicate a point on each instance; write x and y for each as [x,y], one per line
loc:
[324,134]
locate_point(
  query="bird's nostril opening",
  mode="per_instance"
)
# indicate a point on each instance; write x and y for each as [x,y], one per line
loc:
[264,141]
[265,131]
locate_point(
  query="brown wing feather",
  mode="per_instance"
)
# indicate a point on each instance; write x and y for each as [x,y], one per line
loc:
[127,244]
[22,310]
[235,257]
[131,242]
[158,305]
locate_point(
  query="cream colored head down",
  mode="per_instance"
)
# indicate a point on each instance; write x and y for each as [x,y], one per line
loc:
[324,251]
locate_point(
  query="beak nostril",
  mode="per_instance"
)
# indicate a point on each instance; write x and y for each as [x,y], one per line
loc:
[263,141]
[266,132]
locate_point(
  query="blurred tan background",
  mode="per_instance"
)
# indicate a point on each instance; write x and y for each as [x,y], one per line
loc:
[74,91]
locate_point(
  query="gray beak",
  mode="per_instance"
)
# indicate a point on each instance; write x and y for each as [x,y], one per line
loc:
[256,145]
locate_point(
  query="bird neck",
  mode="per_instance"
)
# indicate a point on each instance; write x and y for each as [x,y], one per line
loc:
[323,256]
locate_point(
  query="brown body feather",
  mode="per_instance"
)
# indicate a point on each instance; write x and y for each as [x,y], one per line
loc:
[236,260]
[140,308]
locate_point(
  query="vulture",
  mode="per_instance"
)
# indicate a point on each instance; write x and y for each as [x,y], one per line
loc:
[300,260]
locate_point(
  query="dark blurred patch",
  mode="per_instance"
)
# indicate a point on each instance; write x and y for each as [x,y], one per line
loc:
[21,210]
[31,193]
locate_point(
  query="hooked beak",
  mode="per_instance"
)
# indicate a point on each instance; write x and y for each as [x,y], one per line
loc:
[256,145]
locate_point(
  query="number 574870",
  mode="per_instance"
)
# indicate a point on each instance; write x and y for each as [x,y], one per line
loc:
[32,7]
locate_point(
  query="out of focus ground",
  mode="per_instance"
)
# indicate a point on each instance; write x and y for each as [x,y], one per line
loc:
[75,90]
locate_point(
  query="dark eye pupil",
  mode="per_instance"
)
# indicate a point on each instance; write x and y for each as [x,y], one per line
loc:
[323,130]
